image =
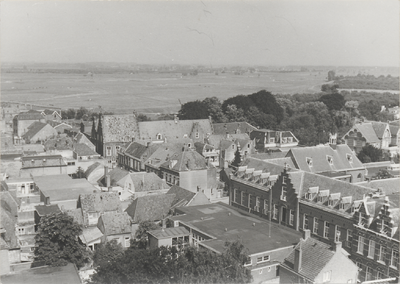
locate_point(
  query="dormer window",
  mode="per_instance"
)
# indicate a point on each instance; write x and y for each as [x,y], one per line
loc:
[331,202]
[309,196]
[290,139]
[159,136]
[329,159]
[349,158]
[309,162]
[341,206]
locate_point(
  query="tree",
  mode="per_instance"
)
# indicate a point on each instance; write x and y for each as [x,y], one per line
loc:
[142,117]
[382,174]
[57,241]
[334,101]
[82,113]
[369,154]
[68,114]
[267,104]
[169,265]
[82,127]
[331,75]
[234,114]
[238,158]
[241,102]
[106,253]
[80,173]
[193,110]
[214,108]
[141,233]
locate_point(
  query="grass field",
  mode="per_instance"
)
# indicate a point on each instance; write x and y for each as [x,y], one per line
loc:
[147,92]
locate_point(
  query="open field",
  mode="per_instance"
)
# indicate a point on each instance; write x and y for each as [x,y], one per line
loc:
[147,92]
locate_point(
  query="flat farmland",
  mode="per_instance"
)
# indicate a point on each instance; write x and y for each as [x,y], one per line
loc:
[147,92]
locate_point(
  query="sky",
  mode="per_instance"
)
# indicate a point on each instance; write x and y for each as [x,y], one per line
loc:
[264,32]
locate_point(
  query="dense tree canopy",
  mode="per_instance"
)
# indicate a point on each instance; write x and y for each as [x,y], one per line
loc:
[57,241]
[334,101]
[168,265]
[141,239]
[193,110]
[370,154]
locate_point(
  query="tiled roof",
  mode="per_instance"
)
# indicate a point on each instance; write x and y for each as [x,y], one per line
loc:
[367,132]
[225,144]
[394,128]
[43,210]
[59,143]
[119,128]
[150,207]
[379,128]
[388,186]
[137,150]
[84,150]
[173,129]
[167,233]
[182,196]
[269,155]
[77,215]
[115,223]
[147,182]
[100,202]
[30,115]
[265,166]
[90,234]
[319,156]
[216,139]
[200,147]
[232,127]
[42,161]
[116,175]
[34,129]
[187,160]
[315,256]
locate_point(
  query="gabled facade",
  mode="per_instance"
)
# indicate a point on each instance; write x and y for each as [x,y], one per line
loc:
[116,226]
[271,139]
[208,152]
[49,114]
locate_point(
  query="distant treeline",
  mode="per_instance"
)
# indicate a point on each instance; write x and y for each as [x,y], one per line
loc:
[367,82]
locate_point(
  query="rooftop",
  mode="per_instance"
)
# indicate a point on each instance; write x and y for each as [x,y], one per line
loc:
[224,223]
[34,129]
[115,223]
[233,128]
[167,233]
[42,161]
[84,150]
[187,160]
[143,181]
[100,202]
[30,115]
[43,210]
[119,128]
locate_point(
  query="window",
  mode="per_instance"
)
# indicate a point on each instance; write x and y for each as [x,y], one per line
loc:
[349,158]
[266,257]
[21,231]
[309,196]
[380,275]
[159,136]
[259,259]
[371,248]
[118,148]
[265,206]
[284,140]
[271,140]
[197,135]
[275,214]
[258,204]
[290,139]
[249,200]
[330,202]
[360,246]
[329,159]
[291,218]
[242,198]
[283,194]
[305,222]
[108,153]
[235,197]
[337,233]
[349,237]
[326,229]
[368,274]
[127,242]
[394,260]
[284,179]
[315,227]
[381,256]
[309,162]
[341,205]
[359,177]
[233,146]
[248,262]
[326,276]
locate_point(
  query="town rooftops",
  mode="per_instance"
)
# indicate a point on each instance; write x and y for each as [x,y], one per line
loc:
[186,160]
[324,158]
[7,227]
[216,139]
[119,128]
[43,161]
[315,256]
[100,202]
[223,223]
[115,223]
[44,275]
[388,186]
[30,115]
[166,233]
[233,128]
[150,207]
[44,210]
[137,150]
[92,168]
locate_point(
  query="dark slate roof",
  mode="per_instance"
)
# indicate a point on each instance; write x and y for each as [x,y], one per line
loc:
[182,196]
[161,155]
[232,127]
[282,162]
[100,202]
[319,156]
[265,166]
[216,139]
[30,115]
[34,129]
[115,223]
[84,150]
[315,256]
[186,161]
[147,182]
[43,210]
[394,128]
[200,147]
[150,207]
[82,138]
[119,128]
[44,275]
[166,233]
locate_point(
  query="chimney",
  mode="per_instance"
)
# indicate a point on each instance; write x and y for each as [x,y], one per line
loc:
[108,181]
[337,246]
[164,224]
[306,234]
[298,255]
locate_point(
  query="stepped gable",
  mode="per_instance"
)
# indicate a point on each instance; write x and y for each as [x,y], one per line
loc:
[119,128]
